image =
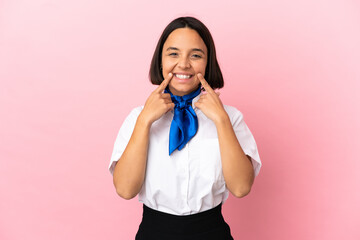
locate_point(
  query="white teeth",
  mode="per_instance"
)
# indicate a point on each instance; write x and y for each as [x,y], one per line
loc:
[183,76]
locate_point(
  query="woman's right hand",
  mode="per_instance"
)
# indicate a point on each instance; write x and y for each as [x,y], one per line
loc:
[158,103]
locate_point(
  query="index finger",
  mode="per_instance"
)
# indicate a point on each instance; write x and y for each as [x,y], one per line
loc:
[204,83]
[164,83]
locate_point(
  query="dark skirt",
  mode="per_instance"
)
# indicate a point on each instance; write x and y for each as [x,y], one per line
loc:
[207,225]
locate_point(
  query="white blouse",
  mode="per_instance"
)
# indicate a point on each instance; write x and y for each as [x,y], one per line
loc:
[191,180]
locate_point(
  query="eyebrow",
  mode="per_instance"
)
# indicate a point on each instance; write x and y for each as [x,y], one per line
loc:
[194,49]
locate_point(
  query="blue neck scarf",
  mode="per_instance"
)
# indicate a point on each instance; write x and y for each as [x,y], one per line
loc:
[185,123]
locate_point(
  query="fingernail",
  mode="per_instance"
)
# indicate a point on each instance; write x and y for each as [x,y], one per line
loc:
[169,74]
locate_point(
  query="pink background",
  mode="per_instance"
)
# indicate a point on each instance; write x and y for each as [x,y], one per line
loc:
[70,72]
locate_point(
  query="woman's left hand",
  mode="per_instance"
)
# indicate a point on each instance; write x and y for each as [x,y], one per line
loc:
[209,103]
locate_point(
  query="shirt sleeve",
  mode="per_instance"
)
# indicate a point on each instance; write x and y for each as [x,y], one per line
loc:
[245,138]
[123,137]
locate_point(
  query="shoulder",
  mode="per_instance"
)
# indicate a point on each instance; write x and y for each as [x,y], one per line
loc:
[133,115]
[233,112]
[135,112]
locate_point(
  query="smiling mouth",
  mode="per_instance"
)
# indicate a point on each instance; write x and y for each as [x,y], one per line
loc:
[183,76]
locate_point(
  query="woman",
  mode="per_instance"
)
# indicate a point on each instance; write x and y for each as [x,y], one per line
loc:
[183,151]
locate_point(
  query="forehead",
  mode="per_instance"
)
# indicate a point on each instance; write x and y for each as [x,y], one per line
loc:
[184,38]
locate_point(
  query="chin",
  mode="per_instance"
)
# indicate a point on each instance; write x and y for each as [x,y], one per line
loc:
[182,91]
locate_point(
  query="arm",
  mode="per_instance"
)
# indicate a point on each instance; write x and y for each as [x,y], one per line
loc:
[129,172]
[237,169]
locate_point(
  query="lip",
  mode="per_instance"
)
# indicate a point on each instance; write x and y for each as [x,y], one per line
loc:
[183,73]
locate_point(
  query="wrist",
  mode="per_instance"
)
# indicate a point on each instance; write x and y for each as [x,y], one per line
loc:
[144,121]
[222,120]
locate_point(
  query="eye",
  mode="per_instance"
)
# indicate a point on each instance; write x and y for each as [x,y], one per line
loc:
[173,54]
[196,56]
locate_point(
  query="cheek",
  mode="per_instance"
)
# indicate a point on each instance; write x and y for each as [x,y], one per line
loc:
[201,67]
[168,65]
[197,81]
[166,68]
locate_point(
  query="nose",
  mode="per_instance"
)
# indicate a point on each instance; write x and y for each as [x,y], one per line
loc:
[184,62]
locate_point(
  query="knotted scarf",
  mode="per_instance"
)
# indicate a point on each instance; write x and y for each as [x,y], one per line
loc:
[185,123]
